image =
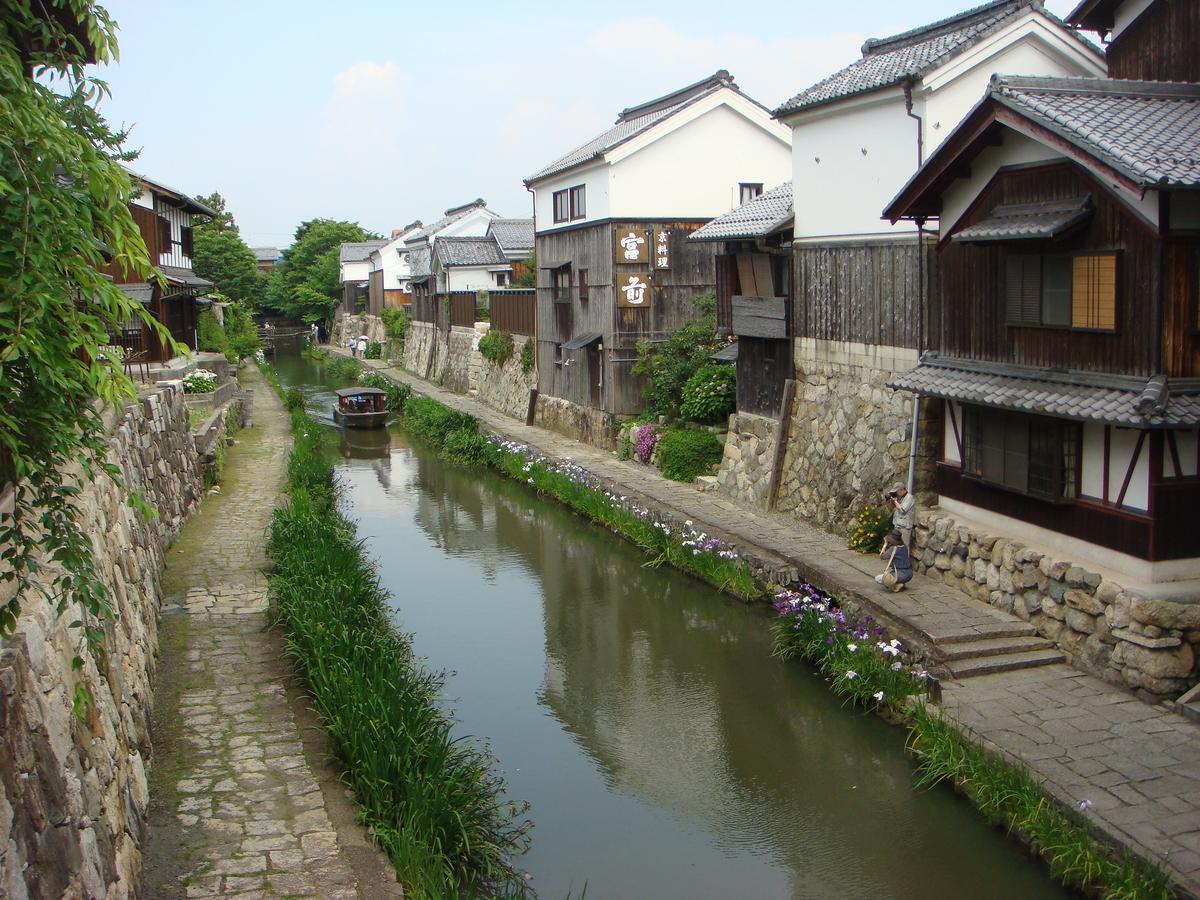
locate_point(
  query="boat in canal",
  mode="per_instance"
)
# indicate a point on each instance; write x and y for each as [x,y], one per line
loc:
[361,407]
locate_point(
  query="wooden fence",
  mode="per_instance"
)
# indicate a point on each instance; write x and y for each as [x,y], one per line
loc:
[514,311]
[462,309]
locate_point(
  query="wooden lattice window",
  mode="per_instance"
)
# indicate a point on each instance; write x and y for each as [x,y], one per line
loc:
[1032,455]
[1062,291]
[1094,292]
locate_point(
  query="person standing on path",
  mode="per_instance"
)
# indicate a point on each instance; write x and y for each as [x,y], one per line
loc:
[362,346]
[904,516]
[352,343]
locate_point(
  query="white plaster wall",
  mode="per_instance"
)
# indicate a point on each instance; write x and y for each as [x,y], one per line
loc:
[1120,452]
[144,199]
[1015,150]
[1185,444]
[471,278]
[473,224]
[1092,459]
[839,190]
[694,170]
[356,271]
[950,452]
[1126,15]
[595,180]
[179,220]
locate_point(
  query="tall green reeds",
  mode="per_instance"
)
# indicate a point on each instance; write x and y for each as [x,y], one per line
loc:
[431,800]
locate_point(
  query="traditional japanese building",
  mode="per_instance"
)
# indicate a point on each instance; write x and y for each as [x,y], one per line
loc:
[388,282]
[354,269]
[164,218]
[611,225]
[1065,356]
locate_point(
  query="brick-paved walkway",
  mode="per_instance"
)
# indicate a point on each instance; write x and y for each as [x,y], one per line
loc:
[243,802]
[1137,765]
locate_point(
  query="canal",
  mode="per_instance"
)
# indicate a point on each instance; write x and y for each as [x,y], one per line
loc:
[663,751]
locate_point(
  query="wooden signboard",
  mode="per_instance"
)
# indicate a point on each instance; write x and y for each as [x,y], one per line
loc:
[631,246]
[662,249]
[760,317]
[633,291]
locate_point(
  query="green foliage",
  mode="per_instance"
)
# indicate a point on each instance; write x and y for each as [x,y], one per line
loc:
[293,400]
[527,277]
[668,365]
[869,528]
[395,323]
[345,367]
[241,332]
[306,282]
[496,346]
[199,381]
[1007,795]
[466,446]
[374,350]
[210,336]
[710,395]
[397,394]
[63,201]
[527,357]
[431,420]
[220,255]
[430,799]
[684,453]
[625,443]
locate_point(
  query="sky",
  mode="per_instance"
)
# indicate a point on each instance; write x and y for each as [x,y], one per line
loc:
[385,112]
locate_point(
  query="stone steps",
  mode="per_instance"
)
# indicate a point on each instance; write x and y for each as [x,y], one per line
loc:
[958,650]
[1005,662]
[1189,704]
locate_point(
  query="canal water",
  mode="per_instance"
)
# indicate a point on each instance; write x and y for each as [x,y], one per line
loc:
[663,751]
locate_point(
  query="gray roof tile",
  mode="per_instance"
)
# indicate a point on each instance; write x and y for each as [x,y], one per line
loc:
[468,251]
[358,251]
[1083,396]
[1147,130]
[1026,221]
[265,254]
[452,215]
[512,234]
[419,262]
[634,120]
[892,60]
[757,218]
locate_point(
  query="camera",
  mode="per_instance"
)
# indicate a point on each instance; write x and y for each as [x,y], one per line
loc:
[891,495]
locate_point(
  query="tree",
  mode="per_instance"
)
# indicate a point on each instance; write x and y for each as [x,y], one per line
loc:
[64,213]
[220,255]
[307,282]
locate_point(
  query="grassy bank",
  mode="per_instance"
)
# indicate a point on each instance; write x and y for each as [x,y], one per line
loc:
[431,801]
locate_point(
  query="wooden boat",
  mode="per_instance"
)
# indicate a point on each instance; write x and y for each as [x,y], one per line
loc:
[361,407]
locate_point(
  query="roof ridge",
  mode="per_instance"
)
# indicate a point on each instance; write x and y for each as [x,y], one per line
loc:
[1079,84]
[877,46]
[720,78]
[466,207]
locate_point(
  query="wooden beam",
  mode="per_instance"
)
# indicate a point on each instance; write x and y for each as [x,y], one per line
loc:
[781,441]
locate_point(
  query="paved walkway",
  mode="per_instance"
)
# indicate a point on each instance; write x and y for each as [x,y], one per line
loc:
[1137,765]
[243,802]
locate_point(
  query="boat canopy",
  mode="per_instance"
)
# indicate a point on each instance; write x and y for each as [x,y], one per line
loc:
[360,392]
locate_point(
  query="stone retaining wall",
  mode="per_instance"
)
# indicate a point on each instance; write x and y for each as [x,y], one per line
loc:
[849,438]
[461,347]
[345,327]
[506,387]
[745,473]
[583,423]
[1150,646]
[73,789]
[421,354]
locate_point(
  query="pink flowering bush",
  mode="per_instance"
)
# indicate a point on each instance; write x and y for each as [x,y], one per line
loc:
[645,440]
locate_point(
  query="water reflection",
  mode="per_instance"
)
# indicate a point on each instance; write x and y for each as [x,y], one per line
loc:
[365,443]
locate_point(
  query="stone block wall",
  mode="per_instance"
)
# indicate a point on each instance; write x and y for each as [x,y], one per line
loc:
[462,346]
[1149,646]
[424,352]
[849,438]
[583,423]
[745,473]
[348,326]
[73,789]
[506,387]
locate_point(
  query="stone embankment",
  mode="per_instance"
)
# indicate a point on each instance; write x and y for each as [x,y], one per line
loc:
[1133,766]
[73,784]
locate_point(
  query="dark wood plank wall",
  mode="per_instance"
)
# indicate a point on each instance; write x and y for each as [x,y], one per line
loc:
[514,311]
[147,223]
[972,283]
[1181,308]
[1161,46]
[871,293]
[375,293]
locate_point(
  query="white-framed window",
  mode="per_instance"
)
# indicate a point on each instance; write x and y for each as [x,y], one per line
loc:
[748,190]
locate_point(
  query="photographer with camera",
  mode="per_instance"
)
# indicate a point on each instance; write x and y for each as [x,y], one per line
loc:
[904,516]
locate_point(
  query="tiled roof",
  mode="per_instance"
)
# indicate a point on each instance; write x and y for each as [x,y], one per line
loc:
[141,292]
[419,263]
[452,215]
[265,254]
[512,234]
[756,218]
[468,251]
[358,251]
[1027,221]
[1111,399]
[186,201]
[892,60]
[1147,130]
[178,276]
[633,121]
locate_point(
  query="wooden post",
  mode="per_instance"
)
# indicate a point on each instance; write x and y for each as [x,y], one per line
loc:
[781,437]
[531,412]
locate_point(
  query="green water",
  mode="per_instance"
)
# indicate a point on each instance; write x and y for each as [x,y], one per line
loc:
[663,751]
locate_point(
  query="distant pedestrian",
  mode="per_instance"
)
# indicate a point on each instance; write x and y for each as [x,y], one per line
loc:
[353,345]
[904,517]
[362,346]
[899,564]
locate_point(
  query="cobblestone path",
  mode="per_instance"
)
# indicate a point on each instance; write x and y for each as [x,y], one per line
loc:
[1137,766]
[243,802]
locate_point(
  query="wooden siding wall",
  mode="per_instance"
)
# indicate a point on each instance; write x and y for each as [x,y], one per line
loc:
[1181,309]
[871,293]
[1162,46]
[396,298]
[972,280]
[424,305]
[514,311]
[147,223]
[462,309]
[375,292]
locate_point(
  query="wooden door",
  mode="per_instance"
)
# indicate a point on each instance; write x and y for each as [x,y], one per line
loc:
[595,376]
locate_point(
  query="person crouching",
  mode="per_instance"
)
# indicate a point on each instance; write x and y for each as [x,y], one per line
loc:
[899,565]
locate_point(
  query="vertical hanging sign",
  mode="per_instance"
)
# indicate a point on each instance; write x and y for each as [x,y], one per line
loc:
[631,246]
[662,249]
[633,291]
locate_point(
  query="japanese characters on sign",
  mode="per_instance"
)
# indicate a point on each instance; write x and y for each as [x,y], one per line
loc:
[662,249]
[631,246]
[633,291]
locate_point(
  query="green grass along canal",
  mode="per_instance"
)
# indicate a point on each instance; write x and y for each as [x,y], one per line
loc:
[663,751]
